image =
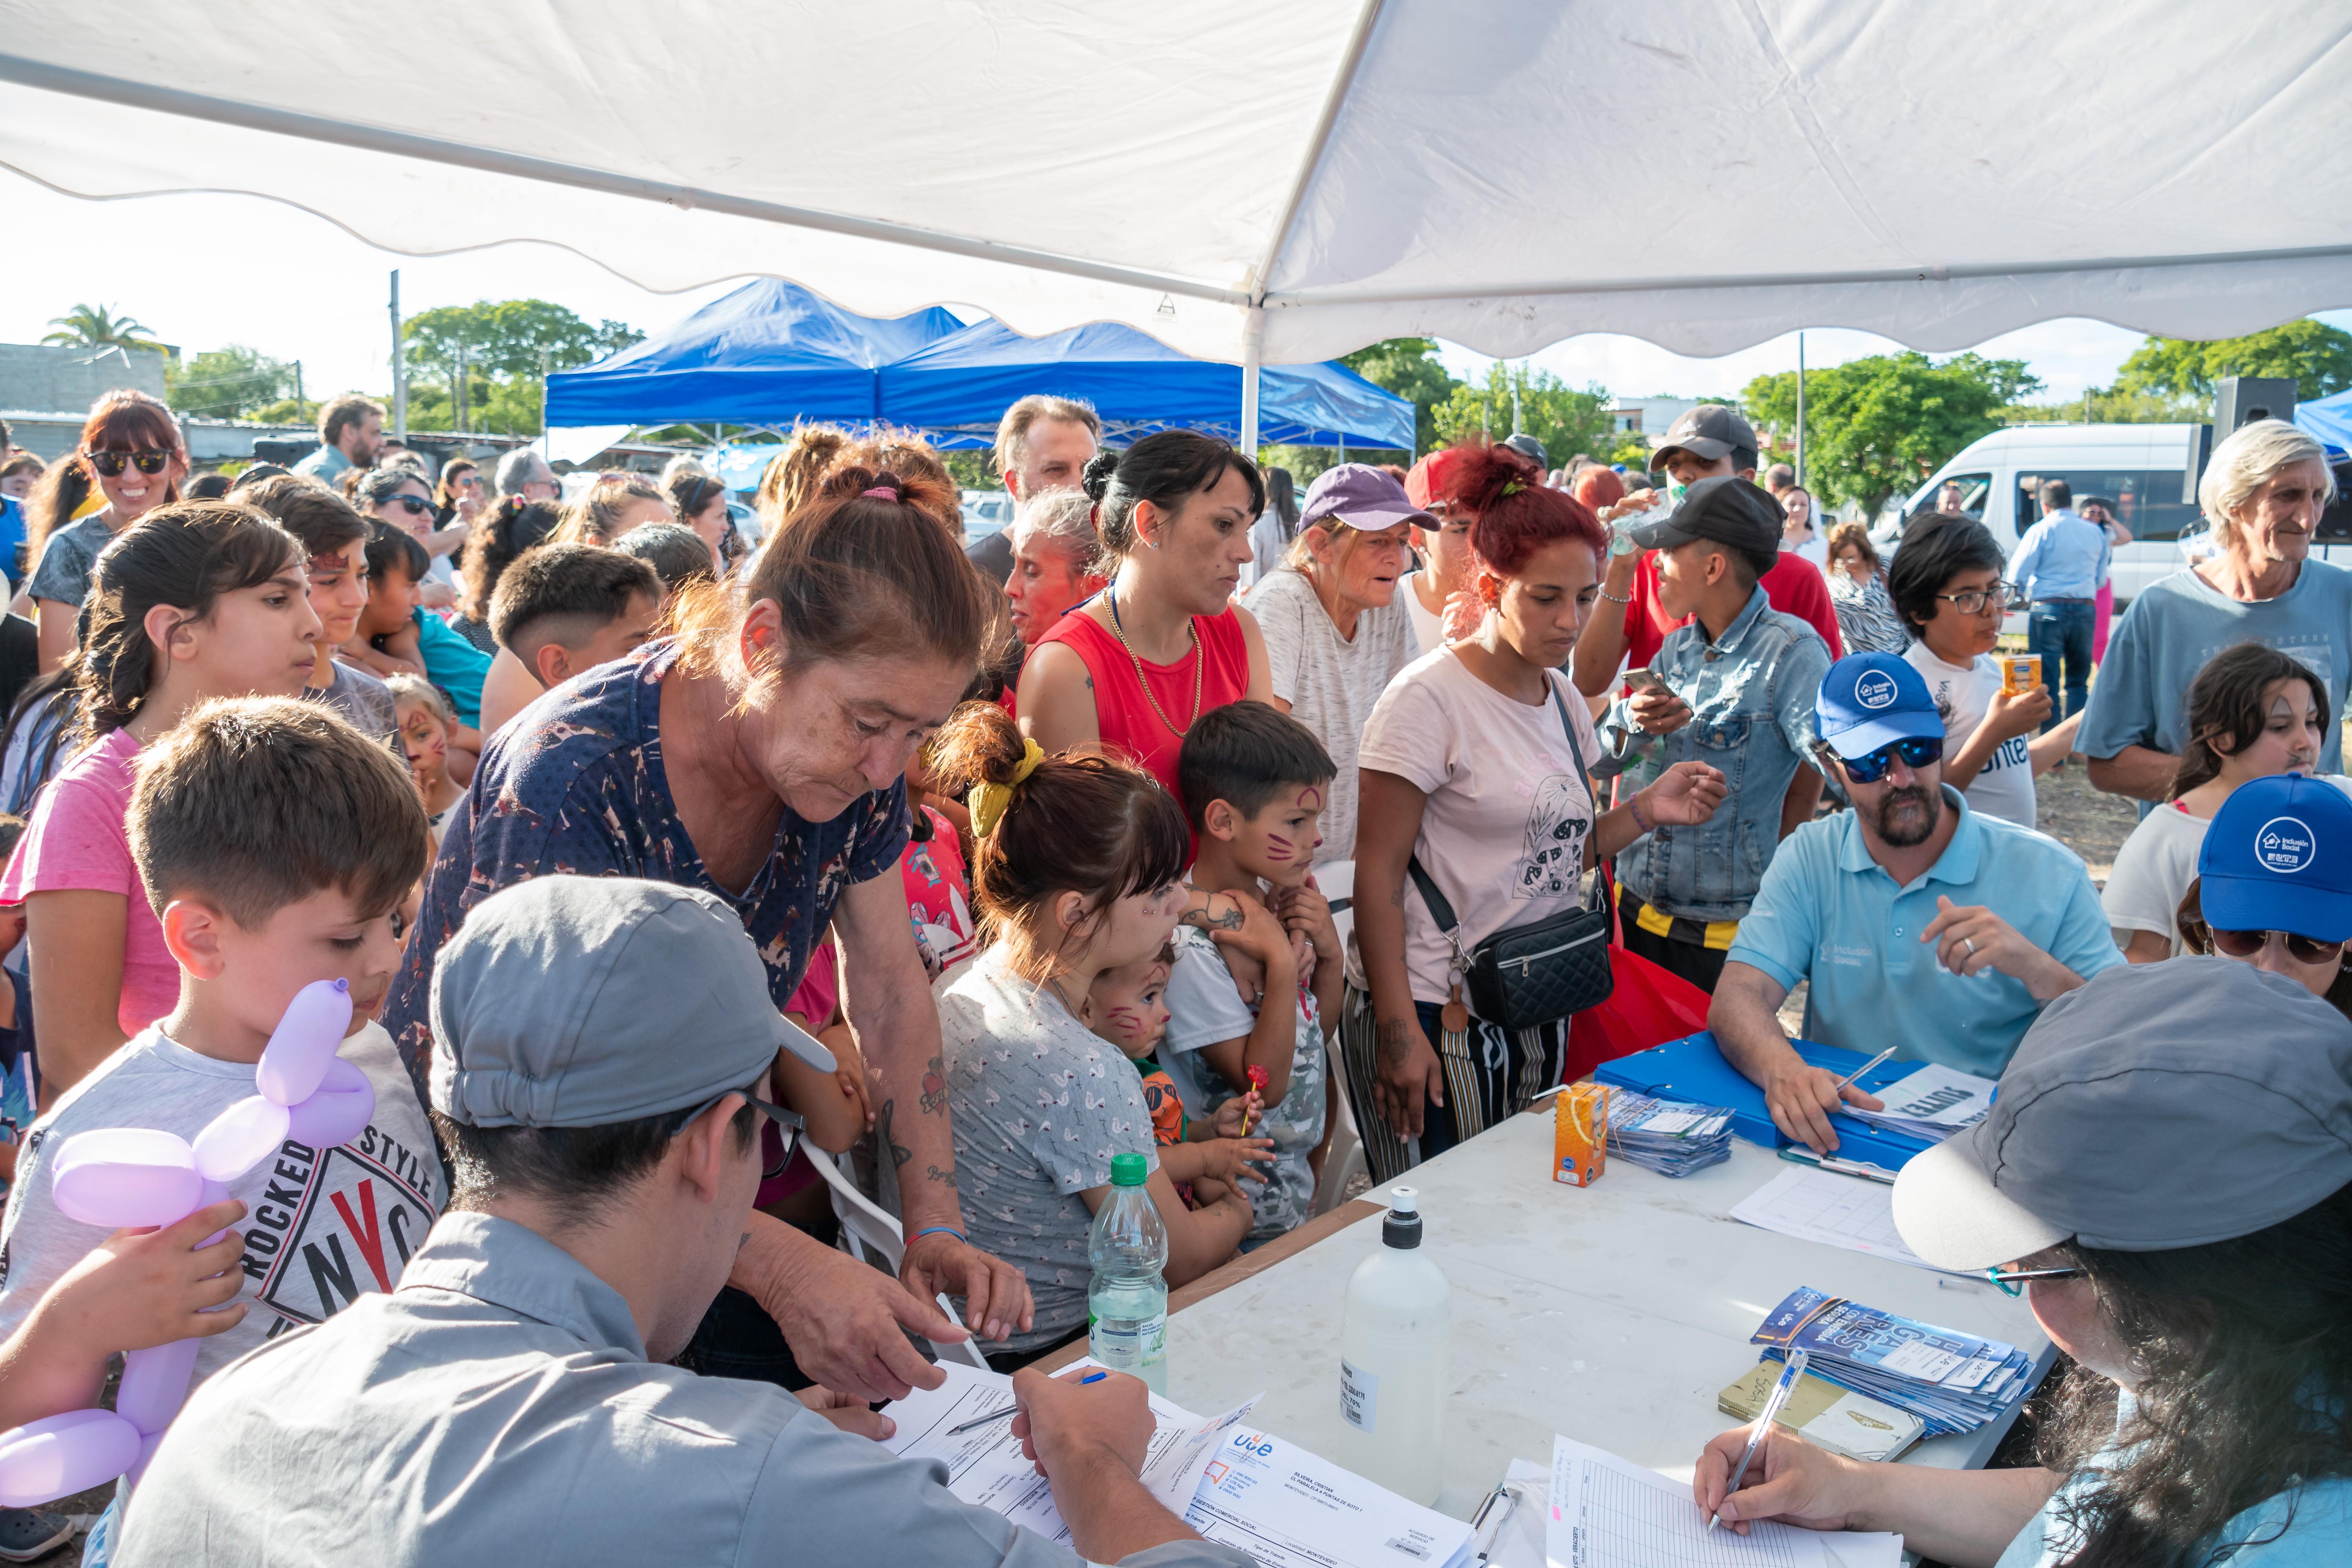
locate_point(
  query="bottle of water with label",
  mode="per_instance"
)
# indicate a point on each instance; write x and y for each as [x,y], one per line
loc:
[1126,1304]
[1394,1348]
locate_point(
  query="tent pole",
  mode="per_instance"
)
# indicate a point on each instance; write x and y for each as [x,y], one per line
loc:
[1801,408]
[399,369]
[1253,345]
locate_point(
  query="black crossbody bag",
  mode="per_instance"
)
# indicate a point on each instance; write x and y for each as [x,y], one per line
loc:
[1538,973]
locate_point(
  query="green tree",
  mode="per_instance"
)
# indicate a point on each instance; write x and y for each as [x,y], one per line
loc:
[98,327]
[1564,420]
[228,384]
[1881,425]
[503,346]
[2318,357]
[1408,367]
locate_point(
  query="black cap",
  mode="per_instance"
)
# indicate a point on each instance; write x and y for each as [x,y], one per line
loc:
[1527,446]
[1709,432]
[1725,508]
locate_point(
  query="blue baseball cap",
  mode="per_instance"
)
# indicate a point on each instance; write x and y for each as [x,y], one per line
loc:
[2278,857]
[1870,699]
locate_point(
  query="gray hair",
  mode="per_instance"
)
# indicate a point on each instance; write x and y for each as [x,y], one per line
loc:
[520,467]
[2246,460]
[378,485]
[1065,517]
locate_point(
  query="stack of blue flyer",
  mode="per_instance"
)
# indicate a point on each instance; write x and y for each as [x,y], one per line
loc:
[1667,1136]
[1953,1382]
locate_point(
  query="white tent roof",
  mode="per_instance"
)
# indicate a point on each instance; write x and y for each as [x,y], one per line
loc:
[1323,172]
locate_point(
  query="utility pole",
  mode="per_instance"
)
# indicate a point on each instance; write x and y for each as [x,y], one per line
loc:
[458,393]
[301,403]
[1801,408]
[1518,426]
[542,395]
[399,368]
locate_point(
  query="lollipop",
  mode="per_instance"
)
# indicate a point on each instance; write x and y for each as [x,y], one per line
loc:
[118,1177]
[1258,1078]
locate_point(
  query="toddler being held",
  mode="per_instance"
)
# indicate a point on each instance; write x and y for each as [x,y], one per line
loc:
[1127,1006]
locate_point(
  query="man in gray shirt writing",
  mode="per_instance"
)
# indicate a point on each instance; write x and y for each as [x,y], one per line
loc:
[599,1047]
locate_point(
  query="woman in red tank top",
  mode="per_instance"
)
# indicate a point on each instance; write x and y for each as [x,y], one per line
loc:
[1163,642]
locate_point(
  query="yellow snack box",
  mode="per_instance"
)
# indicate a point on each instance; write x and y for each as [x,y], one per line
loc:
[2018,672]
[1580,1138]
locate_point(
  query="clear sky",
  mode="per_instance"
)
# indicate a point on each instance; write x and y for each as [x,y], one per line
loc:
[202,271]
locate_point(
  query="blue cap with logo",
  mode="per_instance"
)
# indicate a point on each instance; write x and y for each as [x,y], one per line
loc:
[1872,699]
[2278,857]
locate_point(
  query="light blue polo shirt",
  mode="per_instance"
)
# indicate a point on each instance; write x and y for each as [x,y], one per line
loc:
[1829,913]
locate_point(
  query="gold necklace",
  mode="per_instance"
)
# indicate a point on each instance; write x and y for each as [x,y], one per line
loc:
[1199,662]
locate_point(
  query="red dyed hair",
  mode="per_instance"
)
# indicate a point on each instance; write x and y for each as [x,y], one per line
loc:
[1512,514]
[1597,487]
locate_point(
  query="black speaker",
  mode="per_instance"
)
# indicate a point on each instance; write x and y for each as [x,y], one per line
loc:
[2242,399]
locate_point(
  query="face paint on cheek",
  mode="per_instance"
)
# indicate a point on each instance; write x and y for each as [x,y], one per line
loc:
[1277,847]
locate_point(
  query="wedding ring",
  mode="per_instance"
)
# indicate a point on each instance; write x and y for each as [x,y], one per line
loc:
[1972,945]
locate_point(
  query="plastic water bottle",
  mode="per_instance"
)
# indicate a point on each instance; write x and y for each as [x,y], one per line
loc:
[1126,1304]
[1395,1345]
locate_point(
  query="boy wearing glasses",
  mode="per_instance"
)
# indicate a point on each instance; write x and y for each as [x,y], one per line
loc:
[1919,922]
[1947,585]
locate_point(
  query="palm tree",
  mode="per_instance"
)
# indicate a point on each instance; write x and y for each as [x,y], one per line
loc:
[96,326]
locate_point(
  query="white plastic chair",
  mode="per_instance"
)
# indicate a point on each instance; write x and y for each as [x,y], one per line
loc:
[871,1236]
[1345,1159]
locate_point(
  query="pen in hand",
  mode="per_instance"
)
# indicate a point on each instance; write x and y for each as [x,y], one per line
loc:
[999,1414]
[1778,1397]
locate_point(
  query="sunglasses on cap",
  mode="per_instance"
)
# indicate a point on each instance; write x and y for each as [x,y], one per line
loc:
[2302,949]
[149,461]
[1916,753]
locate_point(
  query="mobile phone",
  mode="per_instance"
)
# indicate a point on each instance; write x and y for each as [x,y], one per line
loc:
[1648,681]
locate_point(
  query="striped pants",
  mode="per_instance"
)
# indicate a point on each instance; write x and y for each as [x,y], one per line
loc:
[1490,1081]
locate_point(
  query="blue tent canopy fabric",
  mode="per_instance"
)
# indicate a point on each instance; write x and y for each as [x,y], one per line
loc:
[956,387]
[2329,419]
[773,352]
[766,354]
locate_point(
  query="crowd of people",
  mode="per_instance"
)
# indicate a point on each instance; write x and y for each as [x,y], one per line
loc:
[678,876]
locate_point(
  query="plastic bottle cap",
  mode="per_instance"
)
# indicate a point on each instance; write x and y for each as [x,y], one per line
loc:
[1403,1200]
[1126,1171]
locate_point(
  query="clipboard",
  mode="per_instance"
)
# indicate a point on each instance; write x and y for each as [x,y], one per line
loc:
[1692,1069]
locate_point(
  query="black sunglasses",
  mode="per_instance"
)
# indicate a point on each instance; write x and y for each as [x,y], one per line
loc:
[149,462]
[415,507]
[2302,949]
[1915,752]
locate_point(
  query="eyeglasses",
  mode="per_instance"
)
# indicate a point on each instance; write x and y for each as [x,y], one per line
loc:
[2011,1281]
[1973,602]
[2302,949]
[466,482]
[1915,752]
[149,461]
[415,507]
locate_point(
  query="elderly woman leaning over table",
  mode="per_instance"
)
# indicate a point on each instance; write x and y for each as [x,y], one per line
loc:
[758,755]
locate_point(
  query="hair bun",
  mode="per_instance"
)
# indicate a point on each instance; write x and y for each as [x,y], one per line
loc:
[1101,469]
[1481,478]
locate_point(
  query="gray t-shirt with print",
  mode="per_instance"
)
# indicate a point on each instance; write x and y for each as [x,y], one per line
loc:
[1330,684]
[1203,1007]
[66,556]
[361,699]
[1041,1103]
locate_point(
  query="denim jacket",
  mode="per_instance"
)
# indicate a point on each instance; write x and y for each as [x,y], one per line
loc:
[1751,697]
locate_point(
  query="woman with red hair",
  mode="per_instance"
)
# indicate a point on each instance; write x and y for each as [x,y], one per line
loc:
[131,448]
[1474,763]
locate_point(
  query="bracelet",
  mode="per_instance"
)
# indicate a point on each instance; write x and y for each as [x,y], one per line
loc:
[938,1230]
[1633,804]
[1613,598]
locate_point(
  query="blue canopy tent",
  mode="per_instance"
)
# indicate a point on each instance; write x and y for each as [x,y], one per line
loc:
[2329,419]
[954,390]
[767,353]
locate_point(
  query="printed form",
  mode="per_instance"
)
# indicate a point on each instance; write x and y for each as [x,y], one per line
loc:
[1607,1512]
[1850,1212]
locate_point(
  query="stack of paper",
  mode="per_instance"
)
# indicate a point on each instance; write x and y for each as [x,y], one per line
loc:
[1932,1103]
[1836,1211]
[1282,1505]
[1666,1136]
[1523,1542]
[1951,1381]
[1826,1416]
[1607,1512]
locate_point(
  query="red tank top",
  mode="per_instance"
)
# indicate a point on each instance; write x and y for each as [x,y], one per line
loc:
[1128,726]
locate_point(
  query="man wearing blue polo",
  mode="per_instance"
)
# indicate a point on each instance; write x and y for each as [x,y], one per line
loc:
[1920,923]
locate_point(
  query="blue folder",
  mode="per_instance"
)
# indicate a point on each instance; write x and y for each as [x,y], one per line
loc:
[1692,1069]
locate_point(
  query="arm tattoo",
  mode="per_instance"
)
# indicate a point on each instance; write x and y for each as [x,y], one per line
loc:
[1206,920]
[945,1178]
[1393,1040]
[934,1097]
[899,1152]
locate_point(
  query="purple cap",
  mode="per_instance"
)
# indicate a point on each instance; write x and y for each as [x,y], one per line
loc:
[1361,496]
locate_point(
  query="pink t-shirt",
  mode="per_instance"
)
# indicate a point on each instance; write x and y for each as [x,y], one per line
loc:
[78,840]
[1504,830]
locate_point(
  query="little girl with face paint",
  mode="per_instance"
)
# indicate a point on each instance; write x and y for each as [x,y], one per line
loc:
[1127,1006]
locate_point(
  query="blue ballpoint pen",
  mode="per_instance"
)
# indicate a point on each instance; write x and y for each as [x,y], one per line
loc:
[1780,1397]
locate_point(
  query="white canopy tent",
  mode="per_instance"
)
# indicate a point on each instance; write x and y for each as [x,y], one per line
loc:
[1276,182]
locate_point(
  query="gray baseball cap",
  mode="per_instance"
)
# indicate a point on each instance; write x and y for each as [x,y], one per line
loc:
[1709,432]
[585,1000]
[2159,1106]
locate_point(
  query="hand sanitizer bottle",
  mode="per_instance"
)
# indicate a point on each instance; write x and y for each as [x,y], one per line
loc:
[1394,1346]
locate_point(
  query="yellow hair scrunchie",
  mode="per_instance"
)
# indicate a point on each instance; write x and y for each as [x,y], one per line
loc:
[989,801]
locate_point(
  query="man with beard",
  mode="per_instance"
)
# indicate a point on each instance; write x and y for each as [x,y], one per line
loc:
[1919,923]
